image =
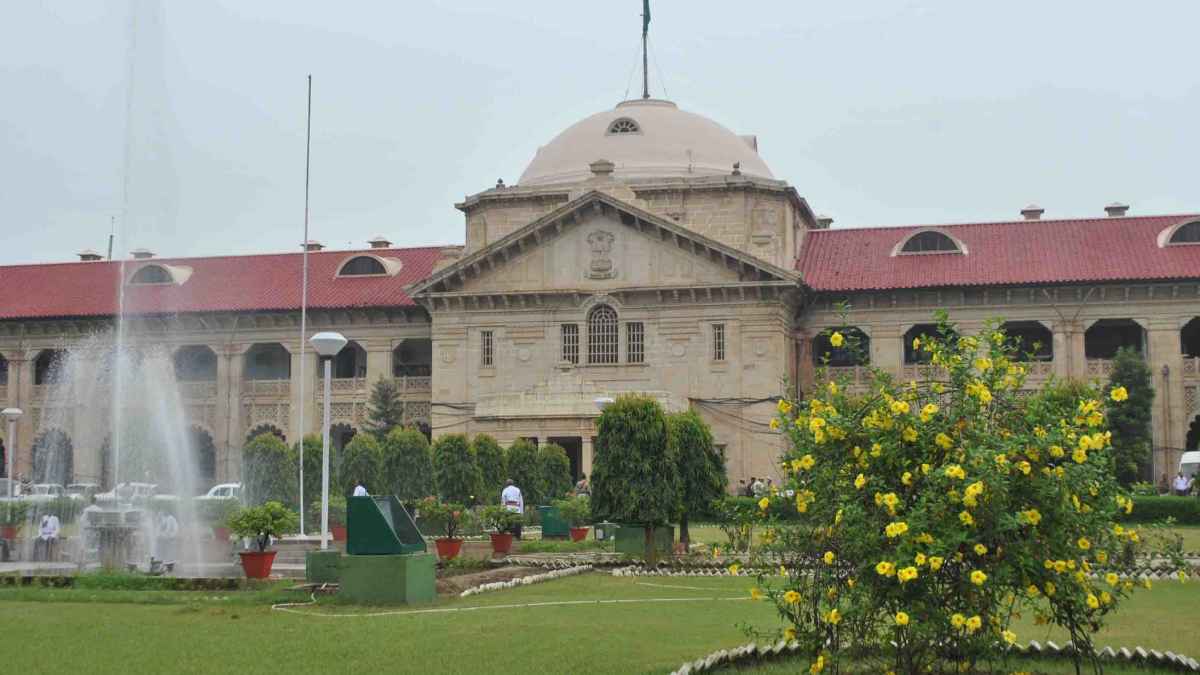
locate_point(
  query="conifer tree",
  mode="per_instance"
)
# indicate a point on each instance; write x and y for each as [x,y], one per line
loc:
[1129,419]
[385,409]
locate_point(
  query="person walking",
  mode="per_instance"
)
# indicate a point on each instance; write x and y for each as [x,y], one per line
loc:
[45,545]
[583,488]
[1182,485]
[168,535]
[512,499]
[360,490]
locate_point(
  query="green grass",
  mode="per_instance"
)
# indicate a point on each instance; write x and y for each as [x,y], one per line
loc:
[207,632]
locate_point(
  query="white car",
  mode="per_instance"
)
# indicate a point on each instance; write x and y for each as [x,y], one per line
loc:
[82,491]
[224,491]
[1189,464]
[44,492]
[128,491]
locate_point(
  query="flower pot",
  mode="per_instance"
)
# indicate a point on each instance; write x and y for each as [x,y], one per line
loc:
[257,564]
[339,532]
[579,533]
[221,533]
[447,549]
[10,531]
[501,542]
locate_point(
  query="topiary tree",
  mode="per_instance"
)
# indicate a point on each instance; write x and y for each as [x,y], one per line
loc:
[554,467]
[1129,414]
[269,471]
[702,477]
[312,472]
[385,408]
[362,459]
[525,471]
[493,472]
[455,470]
[917,520]
[407,465]
[635,478]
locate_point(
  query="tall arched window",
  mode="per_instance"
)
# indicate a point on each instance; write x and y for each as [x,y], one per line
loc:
[602,335]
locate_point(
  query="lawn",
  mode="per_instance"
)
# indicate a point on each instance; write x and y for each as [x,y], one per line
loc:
[611,625]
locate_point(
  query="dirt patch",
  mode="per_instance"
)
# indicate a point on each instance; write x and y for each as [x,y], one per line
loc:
[457,584]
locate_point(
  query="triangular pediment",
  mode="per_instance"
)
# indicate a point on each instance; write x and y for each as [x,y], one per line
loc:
[600,243]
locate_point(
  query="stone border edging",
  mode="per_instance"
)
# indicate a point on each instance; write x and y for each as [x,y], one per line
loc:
[640,570]
[753,652]
[526,581]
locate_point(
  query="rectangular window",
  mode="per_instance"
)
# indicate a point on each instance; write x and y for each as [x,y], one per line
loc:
[635,342]
[570,342]
[486,352]
[718,342]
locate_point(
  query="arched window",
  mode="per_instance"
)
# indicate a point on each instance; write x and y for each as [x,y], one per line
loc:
[1187,234]
[3,370]
[602,335]
[362,265]
[922,330]
[151,274]
[195,363]
[929,242]
[1034,341]
[413,358]
[1106,336]
[349,363]
[267,361]
[1189,339]
[624,126]
[48,367]
[265,429]
[53,458]
[200,443]
[825,354]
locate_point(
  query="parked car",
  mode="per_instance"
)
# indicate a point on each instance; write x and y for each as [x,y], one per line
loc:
[224,491]
[128,492]
[45,492]
[5,484]
[82,491]
[1189,464]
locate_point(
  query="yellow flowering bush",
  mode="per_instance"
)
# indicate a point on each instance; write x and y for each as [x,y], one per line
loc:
[928,514]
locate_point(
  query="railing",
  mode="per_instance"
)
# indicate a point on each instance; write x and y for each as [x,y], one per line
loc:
[40,391]
[1038,370]
[417,384]
[198,390]
[267,387]
[1099,367]
[849,374]
[342,385]
[922,371]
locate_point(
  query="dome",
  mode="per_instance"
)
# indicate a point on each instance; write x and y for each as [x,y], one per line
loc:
[644,138]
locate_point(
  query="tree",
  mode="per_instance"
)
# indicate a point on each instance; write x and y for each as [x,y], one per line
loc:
[455,469]
[702,477]
[524,470]
[407,466]
[1129,418]
[634,474]
[362,460]
[312,472]
[554,469]
[490,457]
[269,471]
[385,409]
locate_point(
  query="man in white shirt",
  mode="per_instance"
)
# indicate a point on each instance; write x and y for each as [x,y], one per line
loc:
[360,490]
[44,545]
[512,500]
[168,534]
[1182,485]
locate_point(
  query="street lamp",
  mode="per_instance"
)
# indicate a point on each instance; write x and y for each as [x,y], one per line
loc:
[327,346]
[603,402]
[12,415]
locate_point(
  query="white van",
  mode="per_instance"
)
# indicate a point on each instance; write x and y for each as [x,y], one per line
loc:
[1189,463]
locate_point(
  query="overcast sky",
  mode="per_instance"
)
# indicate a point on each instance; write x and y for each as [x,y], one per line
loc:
[878,112]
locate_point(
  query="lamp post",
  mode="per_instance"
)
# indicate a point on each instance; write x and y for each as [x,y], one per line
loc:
[11,415]
[327,346]
[603,402]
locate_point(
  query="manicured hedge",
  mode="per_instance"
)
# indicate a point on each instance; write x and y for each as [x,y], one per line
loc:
[1185,510]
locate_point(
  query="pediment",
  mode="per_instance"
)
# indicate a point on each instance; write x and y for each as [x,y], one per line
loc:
[598,243]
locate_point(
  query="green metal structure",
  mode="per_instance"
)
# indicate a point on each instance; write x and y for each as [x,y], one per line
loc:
[381,526]
[553,524]
[631,539]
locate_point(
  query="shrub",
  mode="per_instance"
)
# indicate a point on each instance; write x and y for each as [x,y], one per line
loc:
[929,513]
[212,512]
[577,511]
[269,470]
[260,523]
[66,509]
[492,470]
[702,476]
[1185,510]
[1129,418]
[499,518]
[362,460]
[445,516]
[407,465]
[385,409]
[736,516]
[13,513]
[1143,489]
[555,470]
[337,511]
[634,474]
[312,468]
[523,469]
[455,470]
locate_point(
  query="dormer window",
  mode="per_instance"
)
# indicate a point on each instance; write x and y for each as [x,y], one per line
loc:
[369,266]
[929,241]
[624,126]
[1188,233]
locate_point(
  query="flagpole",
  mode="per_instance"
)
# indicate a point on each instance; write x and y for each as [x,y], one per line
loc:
[304,293]
[645,64]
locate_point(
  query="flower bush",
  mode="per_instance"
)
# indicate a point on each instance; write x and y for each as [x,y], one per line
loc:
[499,518]
[577,511]
[264,522]
[446,516]
[925,516]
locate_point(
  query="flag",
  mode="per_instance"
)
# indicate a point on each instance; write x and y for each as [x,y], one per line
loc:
[645,17]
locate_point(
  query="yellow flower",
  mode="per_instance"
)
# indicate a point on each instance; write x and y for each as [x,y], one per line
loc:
[935,562]
[885,568]
[895,529]
[965,517]
[943,441]
[901,619]
[833,388]
[1111,578]
[974,623]
[907,574]
[1024,467]
[1101,557]
[783,407]
[734,569]
[791,597]
[1093,601]
[919,559]
[980,549]
[916,343]
[1118,394]
[900,407]
[830,556]
[1032,516]
[764,503]
[774,424]
[983,364]
[955,471]
[1105,598]
[1083,543]
[836,339]
[834,616]
[958,620]
[756,593]
[909,434]
[860,481]
[1009,637]
[1032,590]
[1056,451]
[1079,455]
[1050,588]
[1183,576]
[807,462]
[815,424]
[818,665]
[928,411]
[978,577]
[906,478]
[789,634]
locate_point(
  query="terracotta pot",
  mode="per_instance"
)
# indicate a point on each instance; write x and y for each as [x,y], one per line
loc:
[579,533]
[257,564]
[447,549]
[221,533]
[10,531]
[501,542]
[339,532]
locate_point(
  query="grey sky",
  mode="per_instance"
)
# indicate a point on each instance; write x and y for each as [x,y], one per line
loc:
[878,112]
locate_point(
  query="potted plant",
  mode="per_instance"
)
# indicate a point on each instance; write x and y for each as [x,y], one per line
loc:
[260,523]
[216,512]
[448,518]
[12,517]
[500,519]
[337,516]
[577,511]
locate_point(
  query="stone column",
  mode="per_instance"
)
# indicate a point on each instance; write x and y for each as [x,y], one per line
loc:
[887,348]
[585,454]
[1169,419]
[227,434]
[27,426]
[311,366]
[379,359]
[1070,360]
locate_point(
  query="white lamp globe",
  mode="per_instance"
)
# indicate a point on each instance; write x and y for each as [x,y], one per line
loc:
[11,414]
[328,344]
[603,402]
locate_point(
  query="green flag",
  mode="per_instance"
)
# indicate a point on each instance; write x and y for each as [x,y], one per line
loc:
[645,17]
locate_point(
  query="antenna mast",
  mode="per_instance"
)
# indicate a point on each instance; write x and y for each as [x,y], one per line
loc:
[645,63]
[304,294]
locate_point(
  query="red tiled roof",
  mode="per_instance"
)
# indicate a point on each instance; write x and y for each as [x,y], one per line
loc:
[1009,253]
[217,284]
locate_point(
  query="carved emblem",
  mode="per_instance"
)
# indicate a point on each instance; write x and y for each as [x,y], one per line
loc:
[601,266]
